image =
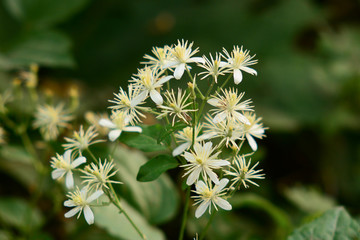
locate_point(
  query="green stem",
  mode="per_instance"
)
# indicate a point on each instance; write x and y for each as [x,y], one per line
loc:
[203,234]
[184,218]
[224,84]
[117,203]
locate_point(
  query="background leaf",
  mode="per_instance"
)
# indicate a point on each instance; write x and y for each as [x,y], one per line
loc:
[116,224]
[158,200]
[142,142]
[16,212]
[155,167]
[333,224]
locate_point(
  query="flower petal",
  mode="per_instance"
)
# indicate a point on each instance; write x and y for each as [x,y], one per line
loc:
[180,149]
[94,196]
[58,173]
[219,117]
[78,161]
[212,175]
[89,215]
[67,156]
[163,80]
[213,102]
[249,70]
[223,204]
[251,142]
[194,175]
[107,123]
[222,184]
[169,64]
[69,203]
[237,76]
[156,97]
[197,59]
[179,71]
[114,134]
[69,181]
[201,209]
[138,99]
[133,129]
[72,212]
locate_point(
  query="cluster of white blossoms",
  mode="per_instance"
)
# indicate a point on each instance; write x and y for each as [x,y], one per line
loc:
[229,123]
[208,128]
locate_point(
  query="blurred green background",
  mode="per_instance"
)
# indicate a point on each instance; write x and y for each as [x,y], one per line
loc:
[307,89]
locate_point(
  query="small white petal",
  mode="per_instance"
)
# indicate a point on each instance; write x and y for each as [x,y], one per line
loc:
[194,175]
[240,117]
[138,99]
[223,204]
[78,161]
[189,157]
[94,196]
[181,148]
[89,216]
[219,117]
[156,97]
[69,203]
[206,136]
[67,156]
[57,173]
[107,123]
[200,186]
[213,102]
[249,70]
[133,129]
[197,59]
[252,142]
[237,76]
[222,184]
[163,80]
[179,71]
[219,163]
[223,64]
[169,64]
[201,209]
[69,181]
[72,212]
[114,134]
[212,176]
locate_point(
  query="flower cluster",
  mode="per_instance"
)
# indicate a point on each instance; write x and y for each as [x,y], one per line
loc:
[229,123]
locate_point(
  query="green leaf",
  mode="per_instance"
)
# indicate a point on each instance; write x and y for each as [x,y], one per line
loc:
[142,142]
[18,213]
[333,224]
[309,199]
[157,201]
[155,167]
[169,129]
[16,162]
[43,13]
[47,48]
[109,218]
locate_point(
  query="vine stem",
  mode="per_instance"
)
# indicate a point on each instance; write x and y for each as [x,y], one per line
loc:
[184,218]
[203,234]
[115,200]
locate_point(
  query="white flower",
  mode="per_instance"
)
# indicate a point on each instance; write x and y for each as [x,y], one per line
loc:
[99,176]
[242,173]
[119,122]
[176,106]
[254,129]
[129,102]
[228,130]
[208,195]
[229,106]
[213,68]
[202,160]
[79,201]
[149,80]
[181,55]
[50,119]
[82,140]
[185,136]
[161,57]
[240,60]
[63,165]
